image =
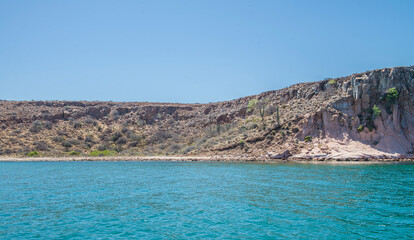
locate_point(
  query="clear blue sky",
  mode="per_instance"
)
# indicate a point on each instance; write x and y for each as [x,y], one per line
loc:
[192,51]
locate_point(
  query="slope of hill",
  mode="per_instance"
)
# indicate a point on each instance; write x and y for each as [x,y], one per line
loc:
[368,114]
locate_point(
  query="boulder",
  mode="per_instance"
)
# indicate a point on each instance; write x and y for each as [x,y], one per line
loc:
[283,155]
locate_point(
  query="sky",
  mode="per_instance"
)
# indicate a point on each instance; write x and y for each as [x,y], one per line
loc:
[192,51]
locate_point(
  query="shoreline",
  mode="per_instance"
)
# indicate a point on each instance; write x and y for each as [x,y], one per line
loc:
[224,159]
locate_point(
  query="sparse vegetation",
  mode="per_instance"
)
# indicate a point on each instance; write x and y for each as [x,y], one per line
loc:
[262,105]
[67,144]
[277,116]
[97,153]
[89,138]
[116,136]
[174,148]
[48,125]
[269,110]
[58,139]
[332,82]
[103,146]
[41,146]
[188,149]
[70,142]
[360,128]
[251,105]
[242,143]
[33,154]
[391,95]
[74,153]
[121,141]
[77,124]
[159,136]
[36,126]
[376,111]
[90,121]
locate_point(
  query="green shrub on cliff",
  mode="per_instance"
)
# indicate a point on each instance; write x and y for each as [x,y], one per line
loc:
[252,103]
[360,128]
[308,139]
[332,82]
[376,111]
[391,95]
[277,115]
[242,143]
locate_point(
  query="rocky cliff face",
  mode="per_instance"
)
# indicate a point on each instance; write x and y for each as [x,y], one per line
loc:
[363,102]
[363,115]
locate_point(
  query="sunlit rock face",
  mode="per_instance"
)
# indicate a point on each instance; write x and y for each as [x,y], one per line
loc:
[391,131]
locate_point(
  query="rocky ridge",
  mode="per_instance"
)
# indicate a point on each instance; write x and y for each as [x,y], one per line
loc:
[365,115]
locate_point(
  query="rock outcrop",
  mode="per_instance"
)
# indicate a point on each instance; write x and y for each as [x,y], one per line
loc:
[350,117]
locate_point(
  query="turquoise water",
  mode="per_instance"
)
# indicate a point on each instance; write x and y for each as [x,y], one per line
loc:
[161,200]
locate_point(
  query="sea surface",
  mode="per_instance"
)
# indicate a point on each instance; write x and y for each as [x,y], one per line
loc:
[178,200]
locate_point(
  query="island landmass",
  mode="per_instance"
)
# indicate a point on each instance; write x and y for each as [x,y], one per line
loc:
[364,117]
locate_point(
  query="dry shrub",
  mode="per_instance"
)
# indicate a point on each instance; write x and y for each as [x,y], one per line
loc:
[48,125]
[104,146]
[62,133]
[8,151]
[70,142]
[116,136]
[36,126]
[15,132]
[58,139]
[89,138]
[174,149]
[121,141]
[41,146]
[269,110]
[133,136]
[90,121]
[125,129]
[77,124]
[188,149]
[134,144]
[159,136]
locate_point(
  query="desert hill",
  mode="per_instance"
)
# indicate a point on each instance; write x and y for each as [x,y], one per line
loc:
[368,114]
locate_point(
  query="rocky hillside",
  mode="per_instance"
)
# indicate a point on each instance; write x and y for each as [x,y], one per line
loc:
[363,115]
